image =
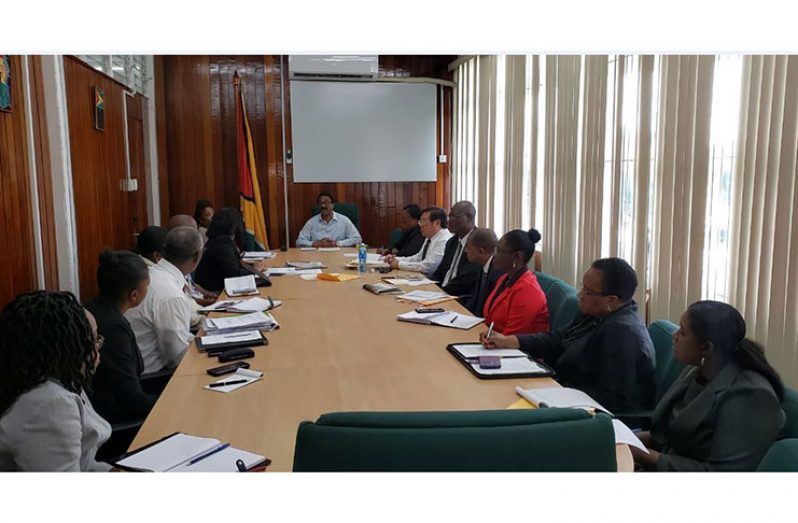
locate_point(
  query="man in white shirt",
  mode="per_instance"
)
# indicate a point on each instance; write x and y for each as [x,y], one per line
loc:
[433,224]
[328,228]
[162,321]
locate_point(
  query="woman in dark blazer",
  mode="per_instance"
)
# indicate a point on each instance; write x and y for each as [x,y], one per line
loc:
[605,351]
[221,258]
[116,392]
[723,412]
[517,303]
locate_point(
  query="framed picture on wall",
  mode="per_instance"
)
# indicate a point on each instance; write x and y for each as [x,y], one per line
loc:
[5,83]
[99,108]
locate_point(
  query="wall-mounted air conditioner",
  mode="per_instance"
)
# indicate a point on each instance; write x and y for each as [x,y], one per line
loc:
[333,66]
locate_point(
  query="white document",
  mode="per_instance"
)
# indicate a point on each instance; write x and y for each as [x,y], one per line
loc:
[561,397]
[329,249]
[422,296]
[258,255]
[175,454]
[412,282]
[310,276]
[512,366]
[221,305]
[240,286]
[444,319]
[279,270]
[219,339]
[245,322]
[301,265]
[307,248]
[255,305]
[248,376]
[222,461]
[624,434]
[475,350]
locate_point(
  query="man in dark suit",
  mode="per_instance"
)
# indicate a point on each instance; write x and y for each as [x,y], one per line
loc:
[479,250]
[456,275]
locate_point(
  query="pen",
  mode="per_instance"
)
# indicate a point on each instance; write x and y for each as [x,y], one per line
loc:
[454,318]
[226,383]
[271,302]
[210,453]
[490,331]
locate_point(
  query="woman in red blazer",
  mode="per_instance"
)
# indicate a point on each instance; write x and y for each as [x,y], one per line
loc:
[517,303]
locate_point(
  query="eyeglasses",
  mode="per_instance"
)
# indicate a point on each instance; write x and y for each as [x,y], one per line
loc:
[99,341]
[587,292]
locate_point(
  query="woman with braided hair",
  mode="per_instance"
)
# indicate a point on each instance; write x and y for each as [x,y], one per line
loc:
[49,349]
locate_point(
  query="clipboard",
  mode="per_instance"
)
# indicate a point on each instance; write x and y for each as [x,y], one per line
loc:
[496,374]
[218,348]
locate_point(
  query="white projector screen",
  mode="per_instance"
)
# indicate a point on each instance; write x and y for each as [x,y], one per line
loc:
[363,131]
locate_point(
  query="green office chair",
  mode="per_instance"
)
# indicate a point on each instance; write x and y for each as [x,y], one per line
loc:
[562,303]
[544,280]
[471,441]
[781,457]
[349,210]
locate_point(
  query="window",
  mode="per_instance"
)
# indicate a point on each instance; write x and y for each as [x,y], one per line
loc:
[130,70]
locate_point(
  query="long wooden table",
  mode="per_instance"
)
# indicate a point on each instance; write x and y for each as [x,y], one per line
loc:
[339,348]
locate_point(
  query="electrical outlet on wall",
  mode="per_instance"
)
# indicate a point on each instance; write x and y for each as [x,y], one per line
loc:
[130,185]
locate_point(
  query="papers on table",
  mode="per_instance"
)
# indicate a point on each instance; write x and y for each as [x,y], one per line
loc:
[309,275]
[244,376]
[512,366]
[372,260]
[475,350]
[307,248]
[624,434]
[250,305]
[412,282]
[329,249]
[334,276]
[219,306]
[561,397]
[236,337]
[306,265]
[381,288]
[258,255]
[240,286]
[185,453]
[444,319]
[425,297]
[245,322]
[271,271]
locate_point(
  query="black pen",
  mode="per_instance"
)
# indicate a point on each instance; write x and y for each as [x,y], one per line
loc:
[454,318]
[226,383]
[271,302]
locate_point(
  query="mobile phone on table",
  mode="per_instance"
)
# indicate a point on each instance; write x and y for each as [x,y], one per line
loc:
[427,311]
[227,369]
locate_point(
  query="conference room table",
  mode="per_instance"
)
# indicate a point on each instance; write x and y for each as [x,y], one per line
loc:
[338,348]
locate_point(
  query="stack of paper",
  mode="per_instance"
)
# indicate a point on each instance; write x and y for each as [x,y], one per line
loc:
[412,282]
[241,286]
[306,265]
[475,350]
[426,297]
[183,453]
[307,248]
[272,271]
[329,249]
[241,377]
[250,305]
[444,319]
[242,339]
[245,322]
[258,255]
[560,397]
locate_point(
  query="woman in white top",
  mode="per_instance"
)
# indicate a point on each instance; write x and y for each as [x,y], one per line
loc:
[49,349]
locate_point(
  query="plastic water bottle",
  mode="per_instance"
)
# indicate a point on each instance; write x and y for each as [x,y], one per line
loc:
[361,258]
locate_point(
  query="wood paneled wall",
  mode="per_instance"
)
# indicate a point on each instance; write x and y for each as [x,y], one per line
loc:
[17,262]
[106,217]
[196,126]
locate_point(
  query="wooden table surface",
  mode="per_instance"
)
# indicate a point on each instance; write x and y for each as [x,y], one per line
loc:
[338,348]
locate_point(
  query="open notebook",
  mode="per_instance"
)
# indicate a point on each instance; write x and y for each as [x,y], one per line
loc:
[444,319]
[184,453]
[561,397]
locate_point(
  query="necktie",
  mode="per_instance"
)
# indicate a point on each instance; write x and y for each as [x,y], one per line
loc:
[452,272]
[424,250]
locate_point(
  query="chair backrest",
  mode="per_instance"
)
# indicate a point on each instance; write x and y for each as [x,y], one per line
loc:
[790,407]
[781,457]
[545,280]
[667,369]
[563,304]
[501,440]
[348,209]
[394,237]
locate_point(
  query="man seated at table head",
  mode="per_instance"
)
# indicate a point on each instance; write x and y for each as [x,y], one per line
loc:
[162,321]
[433,225]
[480,249]
[328,228]
[456,275]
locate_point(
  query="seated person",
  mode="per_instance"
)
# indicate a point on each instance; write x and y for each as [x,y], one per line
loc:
[412,240]
[517,303]
[49,348]
[480,250]
[116,391]
[162,321]
[221,258]
[203,214]
[181,220]
[149,244]
[456,275]
[328,228]
[605,351]
[433,228]
[723,412]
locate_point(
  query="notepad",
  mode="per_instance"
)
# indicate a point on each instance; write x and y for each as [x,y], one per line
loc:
[254,305]
[176,453]
[244,322]
[306,264]
[444,319]
[426,297]
[244,339]
[381,288]
[219,306]
[412,282]
[258,255]
[240,286]
[475,350]
[329,249]
[272,271]
[561,397]
[250,376]
[512,366]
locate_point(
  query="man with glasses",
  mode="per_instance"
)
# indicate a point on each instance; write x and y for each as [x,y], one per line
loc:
[456,275]
[433,227]
[328,228]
